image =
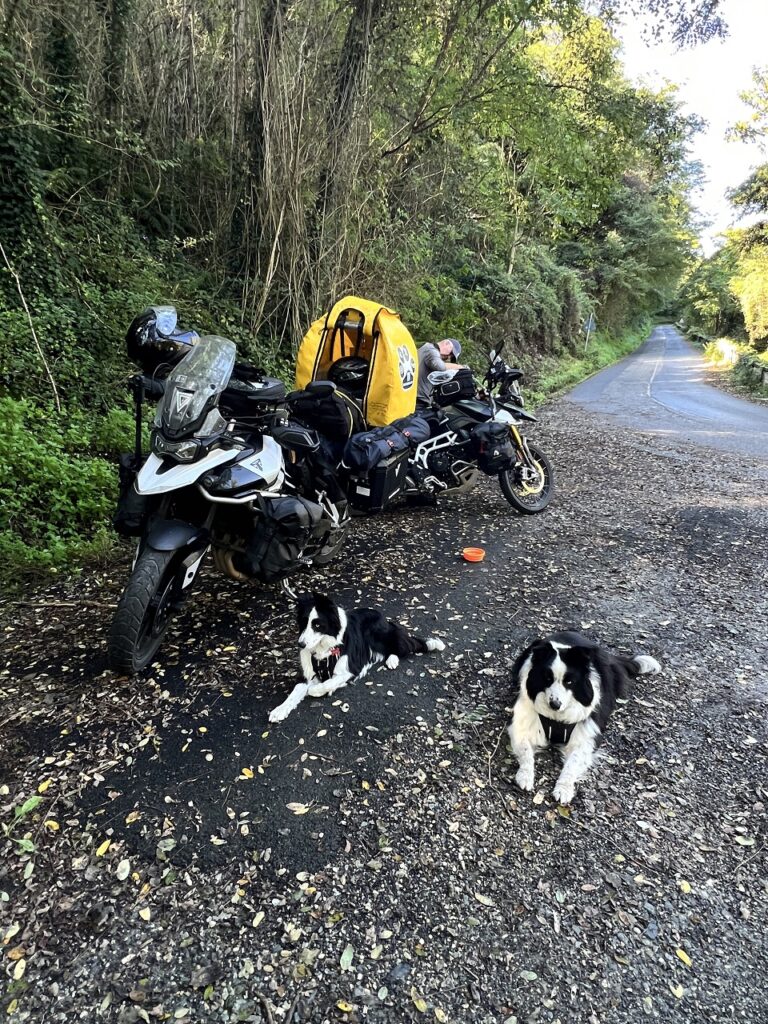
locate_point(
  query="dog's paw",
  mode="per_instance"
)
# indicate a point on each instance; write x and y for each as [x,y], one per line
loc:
[392,661]
[435,644]
[564,792]
[317,690]
[524,779]
[279,714]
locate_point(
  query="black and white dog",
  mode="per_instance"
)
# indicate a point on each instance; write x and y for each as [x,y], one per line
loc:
[338,647]
[569,686]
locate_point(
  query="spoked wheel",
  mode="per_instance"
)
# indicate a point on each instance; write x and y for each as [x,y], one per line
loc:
[529,489]
[143,612]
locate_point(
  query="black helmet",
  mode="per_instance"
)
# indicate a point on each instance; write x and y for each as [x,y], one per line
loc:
[350,374]
[153,338]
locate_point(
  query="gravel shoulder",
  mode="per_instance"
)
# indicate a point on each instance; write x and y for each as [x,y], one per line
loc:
[410,880]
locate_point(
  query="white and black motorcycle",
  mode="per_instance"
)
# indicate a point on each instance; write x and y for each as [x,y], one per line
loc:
[228,472]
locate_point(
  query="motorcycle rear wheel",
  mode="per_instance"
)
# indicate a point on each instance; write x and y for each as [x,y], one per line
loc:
[143,612]
[528,493]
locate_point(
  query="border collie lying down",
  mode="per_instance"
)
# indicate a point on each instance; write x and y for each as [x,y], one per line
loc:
[569,686]
[338,647]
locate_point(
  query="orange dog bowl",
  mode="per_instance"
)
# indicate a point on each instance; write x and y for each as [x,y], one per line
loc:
[473,554]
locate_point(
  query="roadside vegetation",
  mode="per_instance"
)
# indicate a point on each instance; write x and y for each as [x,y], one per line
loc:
[485,169]
[724,298]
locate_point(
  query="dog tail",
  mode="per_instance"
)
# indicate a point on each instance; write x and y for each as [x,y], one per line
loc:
[642,665]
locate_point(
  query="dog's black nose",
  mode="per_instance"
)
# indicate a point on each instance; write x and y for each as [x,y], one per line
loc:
[301,643]
[554,703]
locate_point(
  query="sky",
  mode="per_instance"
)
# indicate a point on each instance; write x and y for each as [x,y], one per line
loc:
[710,77]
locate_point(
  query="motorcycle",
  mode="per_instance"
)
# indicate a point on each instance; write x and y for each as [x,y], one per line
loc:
[228,471]
[480,431]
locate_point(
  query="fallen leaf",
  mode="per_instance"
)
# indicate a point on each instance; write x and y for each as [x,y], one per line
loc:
[258,919]
[744,840]
[347,957]
[685,886]
[44,785]
[344,1006]
[418,1001]
[440,1015]
[485,900]
[297,808]
[52,825]
[103,848]
[145,913]
[13,930]
[684,957]
[18,970]
[247,773]
[528,975]
[133,816]
[677,991]
[376,952]
[123,870]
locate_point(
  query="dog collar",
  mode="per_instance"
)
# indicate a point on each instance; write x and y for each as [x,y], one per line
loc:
[324,667]
[557,733]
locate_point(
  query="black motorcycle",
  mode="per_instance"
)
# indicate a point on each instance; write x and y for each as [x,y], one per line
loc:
[477,430]
[229,470]
[444,449]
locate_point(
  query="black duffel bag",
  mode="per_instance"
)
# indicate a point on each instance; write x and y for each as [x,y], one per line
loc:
[330,412]
[415,428]
[365,451]
[493,447]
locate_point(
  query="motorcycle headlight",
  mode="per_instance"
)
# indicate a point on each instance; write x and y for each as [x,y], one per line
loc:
[183,451]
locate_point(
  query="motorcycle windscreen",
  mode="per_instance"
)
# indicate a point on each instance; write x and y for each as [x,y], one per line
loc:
[195,384]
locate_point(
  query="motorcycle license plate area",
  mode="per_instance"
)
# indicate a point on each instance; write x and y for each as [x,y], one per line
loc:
[382,486]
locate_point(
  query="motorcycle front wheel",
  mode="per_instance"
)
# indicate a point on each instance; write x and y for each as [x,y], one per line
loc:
[529,490]
[143,612]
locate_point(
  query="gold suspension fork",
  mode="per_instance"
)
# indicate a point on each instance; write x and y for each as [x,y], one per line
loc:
[533,475]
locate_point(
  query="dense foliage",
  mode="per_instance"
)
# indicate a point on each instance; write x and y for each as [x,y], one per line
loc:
[481,165]
[727,294]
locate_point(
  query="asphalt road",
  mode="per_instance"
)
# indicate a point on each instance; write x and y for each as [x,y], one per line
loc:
[662,389]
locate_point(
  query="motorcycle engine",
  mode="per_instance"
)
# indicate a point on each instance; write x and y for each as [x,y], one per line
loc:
[440,463]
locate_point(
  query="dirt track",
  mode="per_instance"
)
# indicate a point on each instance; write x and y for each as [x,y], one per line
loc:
[418,884]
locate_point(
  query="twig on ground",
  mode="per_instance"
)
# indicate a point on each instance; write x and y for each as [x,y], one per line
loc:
[267,1008]
[292,1009]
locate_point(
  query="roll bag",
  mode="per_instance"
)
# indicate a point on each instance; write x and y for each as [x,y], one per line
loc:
[364,451]
[359,327]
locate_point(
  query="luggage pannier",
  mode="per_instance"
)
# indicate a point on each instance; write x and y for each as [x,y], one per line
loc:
[461,385]
[379,489]
[493,447]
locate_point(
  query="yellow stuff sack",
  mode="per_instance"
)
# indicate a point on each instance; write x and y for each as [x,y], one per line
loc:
[359,327]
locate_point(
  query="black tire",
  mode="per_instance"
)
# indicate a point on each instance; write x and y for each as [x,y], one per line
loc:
[526,496]
[332,550]
[143,612]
